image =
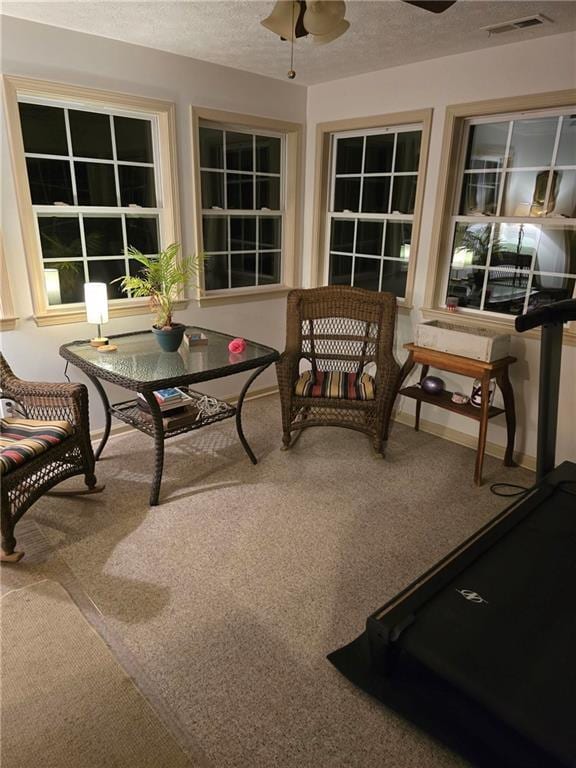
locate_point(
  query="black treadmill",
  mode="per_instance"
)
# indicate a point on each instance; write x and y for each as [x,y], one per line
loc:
[481,650]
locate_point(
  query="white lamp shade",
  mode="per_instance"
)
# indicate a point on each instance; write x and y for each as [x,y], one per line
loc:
[338,30]
[322,16]
[283,18]
[52,282]
[96,298]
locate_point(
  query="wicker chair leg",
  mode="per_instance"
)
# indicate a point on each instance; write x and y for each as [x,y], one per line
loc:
[8,553]
[286,440]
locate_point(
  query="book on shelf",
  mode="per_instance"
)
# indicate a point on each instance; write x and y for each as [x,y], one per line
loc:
[177,399]
[176,418]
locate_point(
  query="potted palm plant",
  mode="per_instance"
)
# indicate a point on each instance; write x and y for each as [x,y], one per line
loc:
[162,279]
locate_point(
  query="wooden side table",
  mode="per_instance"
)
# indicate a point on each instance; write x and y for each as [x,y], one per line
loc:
[476,369]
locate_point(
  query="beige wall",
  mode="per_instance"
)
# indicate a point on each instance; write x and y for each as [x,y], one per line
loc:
[537,66]
[49,53]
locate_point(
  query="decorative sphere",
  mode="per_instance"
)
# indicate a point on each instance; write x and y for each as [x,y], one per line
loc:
[433,385]
[291,74]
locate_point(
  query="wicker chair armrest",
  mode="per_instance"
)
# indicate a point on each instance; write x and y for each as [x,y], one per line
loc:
[46,400]
[387,376]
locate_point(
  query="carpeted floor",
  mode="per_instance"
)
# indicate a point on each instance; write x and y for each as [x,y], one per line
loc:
[66,703]
[223,601]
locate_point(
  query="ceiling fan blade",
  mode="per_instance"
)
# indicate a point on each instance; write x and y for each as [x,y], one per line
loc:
[434,6]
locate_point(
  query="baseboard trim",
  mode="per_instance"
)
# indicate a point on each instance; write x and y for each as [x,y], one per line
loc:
[463,438]
[121,429]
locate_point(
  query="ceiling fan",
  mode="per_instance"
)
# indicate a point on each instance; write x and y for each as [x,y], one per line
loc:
[322,20]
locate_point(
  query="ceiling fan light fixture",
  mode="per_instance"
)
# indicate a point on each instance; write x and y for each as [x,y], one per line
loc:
[340,28]
[282,19]
[322,16]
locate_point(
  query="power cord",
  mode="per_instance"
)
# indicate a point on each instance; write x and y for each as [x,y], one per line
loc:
[520,490]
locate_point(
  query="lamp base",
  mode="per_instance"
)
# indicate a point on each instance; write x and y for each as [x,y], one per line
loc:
[99,341]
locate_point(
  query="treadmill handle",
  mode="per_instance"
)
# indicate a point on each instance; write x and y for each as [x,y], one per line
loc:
[551,314]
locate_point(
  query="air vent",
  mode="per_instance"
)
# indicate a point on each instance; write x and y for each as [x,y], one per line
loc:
[510,26]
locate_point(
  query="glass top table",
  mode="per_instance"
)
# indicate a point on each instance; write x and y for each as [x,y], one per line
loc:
[141,366]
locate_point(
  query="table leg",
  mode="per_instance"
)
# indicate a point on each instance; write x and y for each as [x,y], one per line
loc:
[239,405]
[108,419]
[156,414]
[423,374]
[503,382]
[484,409]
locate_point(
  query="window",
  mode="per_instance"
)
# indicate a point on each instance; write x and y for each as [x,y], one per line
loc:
[93,188]
[505,238]
[514,223]
[372,178]
[246,202]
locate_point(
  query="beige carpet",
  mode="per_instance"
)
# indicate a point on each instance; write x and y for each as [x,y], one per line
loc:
[66,703]
[227,597]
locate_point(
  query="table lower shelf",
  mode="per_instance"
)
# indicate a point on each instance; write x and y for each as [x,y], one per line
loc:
[174,422]
[443,400]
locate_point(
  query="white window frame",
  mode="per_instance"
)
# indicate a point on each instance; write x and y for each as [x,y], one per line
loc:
[8,317]
[162,116]
[330,214]
[459,119]
[325,158]
[291,138]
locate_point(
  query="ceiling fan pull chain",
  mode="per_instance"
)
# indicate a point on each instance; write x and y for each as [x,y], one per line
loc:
[291,72]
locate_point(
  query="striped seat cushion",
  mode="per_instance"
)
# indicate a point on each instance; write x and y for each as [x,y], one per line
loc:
[23,439]
[335,384]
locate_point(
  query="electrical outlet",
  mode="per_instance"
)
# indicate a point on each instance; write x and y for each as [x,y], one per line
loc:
[7,408]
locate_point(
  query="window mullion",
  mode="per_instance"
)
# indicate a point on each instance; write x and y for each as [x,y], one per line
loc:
[84,248]
[115,161]
[70,155]
[552,166]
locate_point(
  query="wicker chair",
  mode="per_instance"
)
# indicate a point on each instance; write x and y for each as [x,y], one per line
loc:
[339,330]
[55,417]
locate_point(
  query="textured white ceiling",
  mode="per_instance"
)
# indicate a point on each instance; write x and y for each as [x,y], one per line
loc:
[383,34]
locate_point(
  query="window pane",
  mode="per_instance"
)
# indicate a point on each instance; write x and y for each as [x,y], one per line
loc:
[239,150]
[532,142]
[243,269]
[269,268]
[347,195]
[549,288]
[64,282]
[342,236]
[465,284]
[104,272]
[349,155]
[91,134]
[375,198]
[398,239]
[408,151]
[563,194]
[133,139]
[142,234]
[506,291]
[216,273]
[240,191]
[487,146]
[556,251]
[242,233]
[268,192]
[379,153]
[367,273]
[137,186]
[480,194]
[43,129]
[514,245]
[270,233]
[567,147]
[340,269]
[394,274]
[404,194]
[471,245]
[525,193]
[215,233]
[211,148]
[60,237]
[268,154]
[135,268]
[95,184]
[369,237]
[103,236]
[50,181]
[212,190]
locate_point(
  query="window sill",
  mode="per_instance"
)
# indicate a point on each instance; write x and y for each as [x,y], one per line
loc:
[78,315]
[482,321]
[8,323]
[242,295]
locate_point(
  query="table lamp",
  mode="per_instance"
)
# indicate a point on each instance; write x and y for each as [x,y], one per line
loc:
[96,299]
